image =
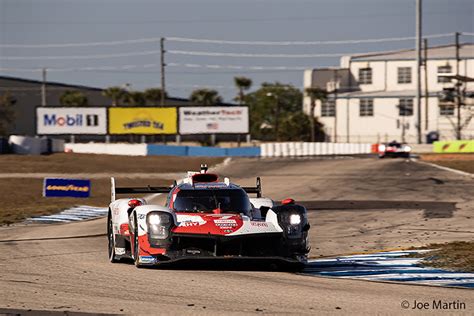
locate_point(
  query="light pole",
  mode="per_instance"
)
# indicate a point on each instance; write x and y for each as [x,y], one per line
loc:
[418,68]
[277,113]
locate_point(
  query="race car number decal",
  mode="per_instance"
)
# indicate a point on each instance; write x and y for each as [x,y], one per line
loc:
[225,223]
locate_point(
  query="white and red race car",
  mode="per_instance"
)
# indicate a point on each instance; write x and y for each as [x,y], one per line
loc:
[394,149]
[205,219]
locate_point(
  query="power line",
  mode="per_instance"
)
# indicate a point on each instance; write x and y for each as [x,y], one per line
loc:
[65,45]
[155,65]
[217,54]
[99,56]
[291,43]
[210,41]
[238,67]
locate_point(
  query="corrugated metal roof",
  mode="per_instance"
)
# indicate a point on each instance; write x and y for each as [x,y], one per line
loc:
[466,51]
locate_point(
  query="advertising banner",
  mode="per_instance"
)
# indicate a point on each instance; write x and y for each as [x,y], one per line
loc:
[214,120]
[454,146]
[54,187]
[71,120]
[143,121]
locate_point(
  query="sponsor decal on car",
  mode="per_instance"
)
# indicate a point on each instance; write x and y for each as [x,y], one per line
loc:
[189,224]
[259,224]
[225,223]
[119,251]
[147,259]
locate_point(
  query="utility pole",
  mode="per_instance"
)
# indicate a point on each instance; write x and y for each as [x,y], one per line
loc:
[335,105]
[418,68]
[458,89]
[162,63]
[43,88]
[425,63]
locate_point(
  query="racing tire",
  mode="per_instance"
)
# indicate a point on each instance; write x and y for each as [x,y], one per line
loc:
[136,244]
[111,240]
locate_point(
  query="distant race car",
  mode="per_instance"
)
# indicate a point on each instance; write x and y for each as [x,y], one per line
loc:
[205,219]
[394,149]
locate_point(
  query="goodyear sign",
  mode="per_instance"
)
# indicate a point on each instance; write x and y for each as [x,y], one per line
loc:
[142,120]
[54,187]
[455,146]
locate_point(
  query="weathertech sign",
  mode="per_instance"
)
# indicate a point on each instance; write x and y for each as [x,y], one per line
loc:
[59,120]
[214,120]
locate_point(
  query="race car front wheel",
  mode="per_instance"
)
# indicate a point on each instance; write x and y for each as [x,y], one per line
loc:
[136,245]
[111,240]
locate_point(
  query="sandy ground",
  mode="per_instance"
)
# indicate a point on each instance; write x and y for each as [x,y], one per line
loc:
[21,178]
[355,205]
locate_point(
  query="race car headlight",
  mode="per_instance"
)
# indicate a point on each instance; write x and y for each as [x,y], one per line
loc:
[295,219]
[159,225]
[155,219]
[406,148]
[382,147]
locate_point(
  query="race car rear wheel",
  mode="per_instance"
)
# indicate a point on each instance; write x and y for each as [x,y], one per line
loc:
[111,240]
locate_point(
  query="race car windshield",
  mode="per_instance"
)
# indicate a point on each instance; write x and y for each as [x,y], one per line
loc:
[205,201]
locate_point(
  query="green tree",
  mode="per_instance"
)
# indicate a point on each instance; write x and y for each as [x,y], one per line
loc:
[115,93]
[134,98]
[7,112]
[295,126]
[272,108]
[73,98]
[315,94]
[242,84]
[153,95]
[205,97]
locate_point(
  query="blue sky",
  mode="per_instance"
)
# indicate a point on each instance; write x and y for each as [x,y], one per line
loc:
[78,21]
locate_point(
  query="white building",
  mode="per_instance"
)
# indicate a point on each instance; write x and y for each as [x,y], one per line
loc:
[372,97]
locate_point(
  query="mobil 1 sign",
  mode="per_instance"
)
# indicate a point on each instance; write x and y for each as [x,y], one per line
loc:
[71,120]
[214,120]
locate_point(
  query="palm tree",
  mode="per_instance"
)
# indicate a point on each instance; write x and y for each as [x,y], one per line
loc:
[134,98]
[242,83]
[205,97]
[314,94]
[154,95]
[73,98]
[7,112]
[114,93]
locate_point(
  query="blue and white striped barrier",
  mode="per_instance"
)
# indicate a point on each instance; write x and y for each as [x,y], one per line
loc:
[286,149]
[388,266]
[73,214]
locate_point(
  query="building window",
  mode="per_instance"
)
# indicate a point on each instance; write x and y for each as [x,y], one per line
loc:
[446,69]
[404,75]
[366,107]
[405,107]
[365,76]
[446,109]
[328,108]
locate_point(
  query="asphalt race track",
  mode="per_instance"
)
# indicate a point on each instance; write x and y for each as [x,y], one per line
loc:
[355,205]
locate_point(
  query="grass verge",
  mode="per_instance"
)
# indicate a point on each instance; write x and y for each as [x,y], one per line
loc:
[463,162]
[90,163]
[455,256]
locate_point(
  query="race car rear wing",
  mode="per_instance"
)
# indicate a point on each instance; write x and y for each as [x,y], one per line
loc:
[257,189]
[136,190]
